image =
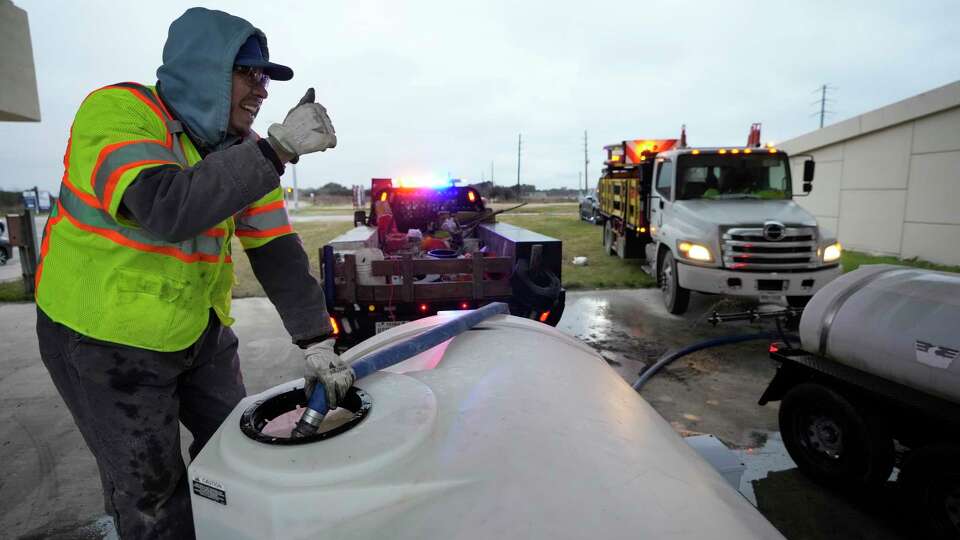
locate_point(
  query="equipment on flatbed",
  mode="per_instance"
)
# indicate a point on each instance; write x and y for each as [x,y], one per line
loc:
[510,430]
[426,249]
[878,363]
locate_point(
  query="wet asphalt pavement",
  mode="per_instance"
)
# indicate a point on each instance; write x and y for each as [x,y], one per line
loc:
[715,391]
[50,489]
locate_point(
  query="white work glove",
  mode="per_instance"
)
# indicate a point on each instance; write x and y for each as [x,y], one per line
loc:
[305,130]
[325,366]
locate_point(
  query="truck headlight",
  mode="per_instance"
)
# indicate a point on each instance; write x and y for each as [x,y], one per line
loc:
[832,252]
[695,252]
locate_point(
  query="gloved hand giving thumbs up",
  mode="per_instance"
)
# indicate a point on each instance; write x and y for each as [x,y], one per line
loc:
[305,130]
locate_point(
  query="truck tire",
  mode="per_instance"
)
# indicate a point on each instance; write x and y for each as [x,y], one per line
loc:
[832,440]
[675,298]
[537,290]
[608,238]
[930,485]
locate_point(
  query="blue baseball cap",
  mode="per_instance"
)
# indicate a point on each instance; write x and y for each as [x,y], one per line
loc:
[250,55]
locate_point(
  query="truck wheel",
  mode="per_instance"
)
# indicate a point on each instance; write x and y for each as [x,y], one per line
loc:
[831,440]
[798,301]
[930,484]
[675,298]
[608,238]
[536,290]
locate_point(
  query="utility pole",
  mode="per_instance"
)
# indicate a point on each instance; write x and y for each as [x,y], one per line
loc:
[586,161]
[519,146]
[823,101]
[491,173]
[579,182]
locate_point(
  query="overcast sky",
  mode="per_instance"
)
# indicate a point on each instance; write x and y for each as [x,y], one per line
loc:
[444,87]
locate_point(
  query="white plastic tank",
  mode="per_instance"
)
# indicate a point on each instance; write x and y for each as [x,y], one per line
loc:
[899,323]
[510,430]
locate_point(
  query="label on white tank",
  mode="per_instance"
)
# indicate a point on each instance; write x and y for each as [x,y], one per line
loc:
[933,355]
[209,489]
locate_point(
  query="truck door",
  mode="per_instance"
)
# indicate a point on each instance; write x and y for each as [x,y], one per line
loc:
[660,199]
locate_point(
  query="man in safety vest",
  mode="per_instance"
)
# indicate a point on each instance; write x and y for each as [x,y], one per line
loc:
[133,289]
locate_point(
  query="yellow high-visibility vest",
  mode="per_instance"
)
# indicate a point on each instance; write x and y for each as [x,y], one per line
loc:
[106,278]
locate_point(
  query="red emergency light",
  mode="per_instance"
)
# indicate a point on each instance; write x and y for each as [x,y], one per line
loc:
[637,149]
[335,325]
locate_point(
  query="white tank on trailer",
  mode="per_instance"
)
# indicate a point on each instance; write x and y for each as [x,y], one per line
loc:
[509,430]
[899,323]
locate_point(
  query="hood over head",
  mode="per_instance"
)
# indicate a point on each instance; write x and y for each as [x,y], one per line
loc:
[196,77]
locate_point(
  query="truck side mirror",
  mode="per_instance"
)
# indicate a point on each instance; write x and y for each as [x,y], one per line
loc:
[808,167]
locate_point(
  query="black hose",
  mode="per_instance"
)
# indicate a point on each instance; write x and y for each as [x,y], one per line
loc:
[669,357]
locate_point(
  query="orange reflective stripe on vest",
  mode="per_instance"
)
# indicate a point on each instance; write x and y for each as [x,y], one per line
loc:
[94,220]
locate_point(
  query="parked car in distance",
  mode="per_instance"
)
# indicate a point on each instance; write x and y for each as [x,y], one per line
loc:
[5,250]
[589,208]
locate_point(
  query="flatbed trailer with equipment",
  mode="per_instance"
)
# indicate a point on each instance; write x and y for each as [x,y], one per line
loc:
[423,250]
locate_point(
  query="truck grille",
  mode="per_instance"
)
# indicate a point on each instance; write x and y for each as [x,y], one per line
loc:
[746,249]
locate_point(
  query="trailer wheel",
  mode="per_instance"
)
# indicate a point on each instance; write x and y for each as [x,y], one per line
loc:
[675,298]
[930,484]
[608,238]
[534,290]
[831,440]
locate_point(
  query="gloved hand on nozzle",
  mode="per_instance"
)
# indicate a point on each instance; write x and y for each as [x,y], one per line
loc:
[305,130]
[323,365]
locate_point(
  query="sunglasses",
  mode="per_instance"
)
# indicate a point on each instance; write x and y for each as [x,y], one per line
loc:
[253,76]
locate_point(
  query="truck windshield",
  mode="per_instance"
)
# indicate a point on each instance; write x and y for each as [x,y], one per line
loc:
[714,176]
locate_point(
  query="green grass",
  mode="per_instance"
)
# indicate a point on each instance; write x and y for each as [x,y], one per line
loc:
[12,291]
[853,259]
[310,210]
[313,234]
[582,239]
[538,208]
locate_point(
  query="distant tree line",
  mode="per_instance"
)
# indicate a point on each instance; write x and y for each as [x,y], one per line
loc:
[490,190]
[11,200]
[330,189]
[509,192]
[487,189]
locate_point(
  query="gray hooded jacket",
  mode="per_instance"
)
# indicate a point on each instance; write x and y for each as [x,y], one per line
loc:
[174,204]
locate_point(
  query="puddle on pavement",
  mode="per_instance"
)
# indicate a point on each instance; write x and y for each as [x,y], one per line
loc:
[586,318]
[615,327]
[769,455]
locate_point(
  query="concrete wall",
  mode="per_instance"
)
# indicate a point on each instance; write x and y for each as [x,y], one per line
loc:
[888,181]
[18,99]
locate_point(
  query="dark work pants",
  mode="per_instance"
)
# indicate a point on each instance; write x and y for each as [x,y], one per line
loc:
[128,404]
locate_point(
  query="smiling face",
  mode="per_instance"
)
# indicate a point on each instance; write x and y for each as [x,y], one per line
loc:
[249,91]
